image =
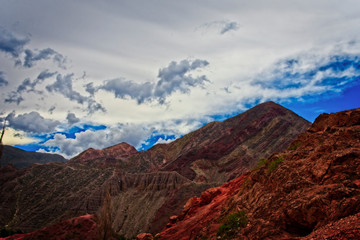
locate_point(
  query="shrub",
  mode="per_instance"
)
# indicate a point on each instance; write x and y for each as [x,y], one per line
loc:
[261,163]
[232,224]
[294,146]
[274,164]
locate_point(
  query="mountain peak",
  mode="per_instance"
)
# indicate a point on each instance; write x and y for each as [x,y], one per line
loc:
[120,150]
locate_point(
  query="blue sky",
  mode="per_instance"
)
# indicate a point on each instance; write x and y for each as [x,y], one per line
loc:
[82,74]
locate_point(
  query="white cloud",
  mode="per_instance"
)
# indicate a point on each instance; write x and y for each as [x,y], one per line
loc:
[16,137]
[132,134]
[166,141]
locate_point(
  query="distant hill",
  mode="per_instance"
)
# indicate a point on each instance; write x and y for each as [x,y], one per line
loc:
[146,187]
[22,159]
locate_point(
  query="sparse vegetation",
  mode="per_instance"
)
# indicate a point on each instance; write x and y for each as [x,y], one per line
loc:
[233,223]
[261,163]
[274,164]
[294,146]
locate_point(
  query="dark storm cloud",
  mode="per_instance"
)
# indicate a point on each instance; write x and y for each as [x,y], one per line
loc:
[72,119]
[32,57]
[3,81]
[63,86]
[175,77]
[28,86]
[32,122]
[11,44]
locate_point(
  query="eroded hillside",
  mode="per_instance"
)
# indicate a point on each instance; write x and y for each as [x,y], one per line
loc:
[309,191]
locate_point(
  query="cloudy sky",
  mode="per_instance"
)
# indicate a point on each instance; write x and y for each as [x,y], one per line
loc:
[80,74]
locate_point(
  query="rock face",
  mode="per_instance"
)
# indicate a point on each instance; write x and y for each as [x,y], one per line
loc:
[309,191]
[22,159]
[146,187]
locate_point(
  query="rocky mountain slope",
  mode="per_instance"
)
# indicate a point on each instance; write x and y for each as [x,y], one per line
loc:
[309,191]
[22,159]
[146,187]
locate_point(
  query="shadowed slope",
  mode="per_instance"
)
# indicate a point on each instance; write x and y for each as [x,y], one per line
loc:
[22,159]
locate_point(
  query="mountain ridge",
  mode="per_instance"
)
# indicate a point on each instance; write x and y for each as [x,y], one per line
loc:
[22,159]
[49,193]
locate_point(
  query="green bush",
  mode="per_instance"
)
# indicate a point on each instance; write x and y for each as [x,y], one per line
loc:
[294,146]
[232,224]
[274,164]
[261,163]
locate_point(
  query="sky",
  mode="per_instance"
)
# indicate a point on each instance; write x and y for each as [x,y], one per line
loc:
[81,74]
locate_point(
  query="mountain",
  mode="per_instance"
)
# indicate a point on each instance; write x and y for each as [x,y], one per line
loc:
[22,159]
[220,151]
[215,153]
[309,191]
[146,187]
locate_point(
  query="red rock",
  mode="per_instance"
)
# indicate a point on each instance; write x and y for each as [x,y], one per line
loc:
[144,236]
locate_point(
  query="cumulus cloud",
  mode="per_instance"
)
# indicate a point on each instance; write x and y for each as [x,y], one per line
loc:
[175,77]
[32,57]
[3,81]
[72,119]
[130,133]
[28,86]
[32,122]
[11,44]
[221,27]
[63,86]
